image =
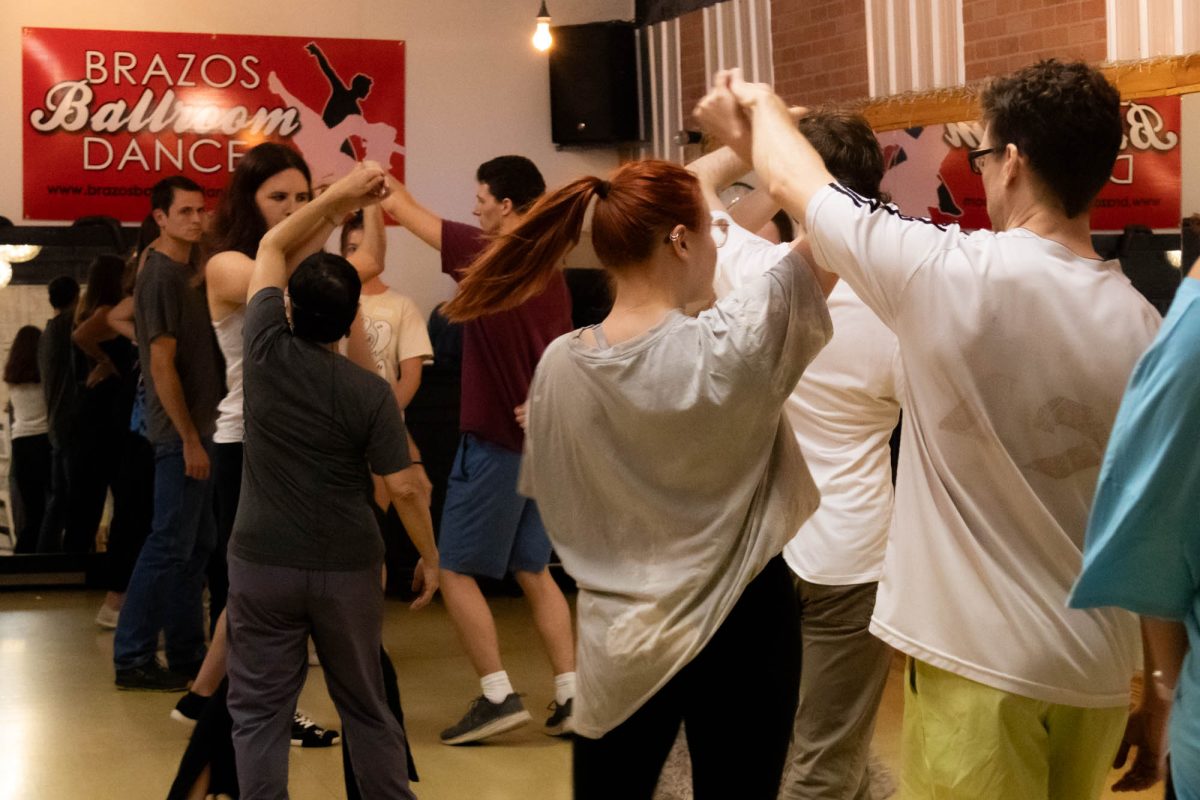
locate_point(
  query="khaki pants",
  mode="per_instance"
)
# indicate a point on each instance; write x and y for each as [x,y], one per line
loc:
[843,672]
[966,741]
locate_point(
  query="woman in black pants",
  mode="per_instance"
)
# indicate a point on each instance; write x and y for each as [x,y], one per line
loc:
[668,479]
[30,438]
[116,456]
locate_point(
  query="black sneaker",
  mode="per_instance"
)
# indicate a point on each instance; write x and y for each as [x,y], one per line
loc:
[189,708]
[306,733]
[485,718]
[559,723]
[151,677]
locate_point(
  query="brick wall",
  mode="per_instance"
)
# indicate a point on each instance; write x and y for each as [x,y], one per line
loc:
[691,62]
[820,49]
[1002,35]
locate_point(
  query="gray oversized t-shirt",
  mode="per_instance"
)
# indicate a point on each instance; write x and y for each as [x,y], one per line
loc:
[667,476]
[315,423]
[168,302]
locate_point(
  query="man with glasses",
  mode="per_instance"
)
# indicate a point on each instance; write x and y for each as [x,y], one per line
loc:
[1015,345]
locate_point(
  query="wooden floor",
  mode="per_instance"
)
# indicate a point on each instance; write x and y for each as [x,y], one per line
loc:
[66,732]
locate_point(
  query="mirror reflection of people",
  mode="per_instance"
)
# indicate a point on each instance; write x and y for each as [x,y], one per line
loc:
[30,435]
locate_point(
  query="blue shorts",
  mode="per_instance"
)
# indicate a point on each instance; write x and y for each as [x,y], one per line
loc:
[487,528]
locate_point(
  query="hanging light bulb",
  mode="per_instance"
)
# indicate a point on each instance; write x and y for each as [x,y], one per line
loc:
[541,37]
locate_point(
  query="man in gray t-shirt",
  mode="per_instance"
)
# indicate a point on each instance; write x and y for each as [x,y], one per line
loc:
[182,369]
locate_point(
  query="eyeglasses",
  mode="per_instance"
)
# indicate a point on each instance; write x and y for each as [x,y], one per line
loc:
[720,233]
[973,157]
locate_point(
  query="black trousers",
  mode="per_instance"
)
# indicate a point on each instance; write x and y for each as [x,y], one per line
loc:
[133,510]
[227,488]
[31,474]
[737,699]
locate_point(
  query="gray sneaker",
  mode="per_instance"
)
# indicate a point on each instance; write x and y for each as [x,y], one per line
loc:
[485,718]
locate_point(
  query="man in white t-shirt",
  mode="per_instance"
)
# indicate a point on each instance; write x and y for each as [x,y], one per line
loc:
[1015,345]
[843,412]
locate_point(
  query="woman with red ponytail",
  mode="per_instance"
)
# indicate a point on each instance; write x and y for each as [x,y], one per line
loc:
[668,479]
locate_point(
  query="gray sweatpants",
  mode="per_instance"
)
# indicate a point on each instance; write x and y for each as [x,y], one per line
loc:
[271,612]
[844,669]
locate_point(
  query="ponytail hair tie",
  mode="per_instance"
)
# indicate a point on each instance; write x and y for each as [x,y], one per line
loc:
[602,189]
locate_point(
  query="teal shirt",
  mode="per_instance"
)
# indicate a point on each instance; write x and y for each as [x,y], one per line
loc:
[1142,550]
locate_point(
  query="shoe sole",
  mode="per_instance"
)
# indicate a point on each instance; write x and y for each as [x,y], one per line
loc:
[564,730]
[106,625]
[493,728]
[332,742]
[179,716]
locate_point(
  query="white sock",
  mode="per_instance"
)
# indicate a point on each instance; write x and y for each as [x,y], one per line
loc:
[564,687]
[496,686]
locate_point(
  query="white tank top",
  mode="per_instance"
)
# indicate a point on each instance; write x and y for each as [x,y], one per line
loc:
[29,409]
[230,427]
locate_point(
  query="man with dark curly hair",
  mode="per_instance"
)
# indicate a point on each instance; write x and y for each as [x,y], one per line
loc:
[1015,345]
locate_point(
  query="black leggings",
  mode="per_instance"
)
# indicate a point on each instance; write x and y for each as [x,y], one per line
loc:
[737,699]
[31,474]
[227,487]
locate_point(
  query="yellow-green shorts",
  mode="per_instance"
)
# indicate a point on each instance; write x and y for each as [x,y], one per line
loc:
[966,741]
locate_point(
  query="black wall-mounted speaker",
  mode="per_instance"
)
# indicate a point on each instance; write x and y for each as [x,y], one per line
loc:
[594,85]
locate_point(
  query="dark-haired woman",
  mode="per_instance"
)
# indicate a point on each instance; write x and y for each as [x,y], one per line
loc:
[104,424]
[669,481]
[30,434]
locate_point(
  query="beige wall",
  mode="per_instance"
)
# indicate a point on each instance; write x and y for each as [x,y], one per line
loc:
[476,87]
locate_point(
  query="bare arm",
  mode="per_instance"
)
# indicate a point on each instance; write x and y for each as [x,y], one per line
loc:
[754,210]
[91,332]
[120,319]
[361,187]
[715,171]
[170,393]
[408,381]
[1164,644]
[368,259]
[403,208]
[413,507]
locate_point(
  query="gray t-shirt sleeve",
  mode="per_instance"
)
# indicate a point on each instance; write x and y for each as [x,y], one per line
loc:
[159,304]
[777,323]
[265,319]
[387,442]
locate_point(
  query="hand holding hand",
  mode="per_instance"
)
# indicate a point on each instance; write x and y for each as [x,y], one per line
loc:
[362,186]
[720,114]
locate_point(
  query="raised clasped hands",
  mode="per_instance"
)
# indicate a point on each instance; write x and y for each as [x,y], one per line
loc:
[725,111]
[364,185]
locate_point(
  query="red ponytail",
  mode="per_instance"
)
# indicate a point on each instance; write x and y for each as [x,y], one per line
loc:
[636,209]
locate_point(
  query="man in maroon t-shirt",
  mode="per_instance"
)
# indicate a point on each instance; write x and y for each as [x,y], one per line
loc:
[487,528]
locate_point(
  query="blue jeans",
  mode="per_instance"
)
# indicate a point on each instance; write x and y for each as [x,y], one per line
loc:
[167,582]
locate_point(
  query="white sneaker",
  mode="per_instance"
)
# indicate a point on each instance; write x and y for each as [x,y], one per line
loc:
[107,617]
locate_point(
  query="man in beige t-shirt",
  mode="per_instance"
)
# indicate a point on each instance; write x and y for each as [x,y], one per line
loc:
[395,328]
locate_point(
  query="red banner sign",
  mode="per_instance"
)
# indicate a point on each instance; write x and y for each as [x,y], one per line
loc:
[928,174]
[108,113]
